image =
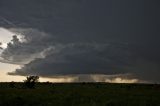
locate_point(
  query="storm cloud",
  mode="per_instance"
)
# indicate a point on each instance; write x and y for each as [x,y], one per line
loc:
[77,37]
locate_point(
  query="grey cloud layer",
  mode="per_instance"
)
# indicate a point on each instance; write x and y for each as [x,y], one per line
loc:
[80,59]
[83,37]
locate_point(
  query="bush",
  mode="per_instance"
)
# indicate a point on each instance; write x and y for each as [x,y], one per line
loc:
[12,84]
[31,81]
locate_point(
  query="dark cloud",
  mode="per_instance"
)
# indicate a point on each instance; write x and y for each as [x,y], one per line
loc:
[80,59]
[83,37]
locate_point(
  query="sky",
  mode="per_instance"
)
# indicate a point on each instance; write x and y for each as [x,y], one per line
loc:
[80,40]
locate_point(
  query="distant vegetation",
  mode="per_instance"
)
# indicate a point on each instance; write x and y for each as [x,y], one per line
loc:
[78,94]
[31,81]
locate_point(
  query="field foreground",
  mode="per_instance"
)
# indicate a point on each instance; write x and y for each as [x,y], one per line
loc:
[80,94]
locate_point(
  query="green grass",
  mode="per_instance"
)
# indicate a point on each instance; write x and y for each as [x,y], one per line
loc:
[80,94]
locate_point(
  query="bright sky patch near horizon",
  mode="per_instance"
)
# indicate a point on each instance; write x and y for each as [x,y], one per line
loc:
[5,37]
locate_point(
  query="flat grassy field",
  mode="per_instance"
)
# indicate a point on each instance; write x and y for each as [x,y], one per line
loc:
[80,94]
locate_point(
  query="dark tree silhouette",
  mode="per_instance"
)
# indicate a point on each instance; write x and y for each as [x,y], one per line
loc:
[31,81]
